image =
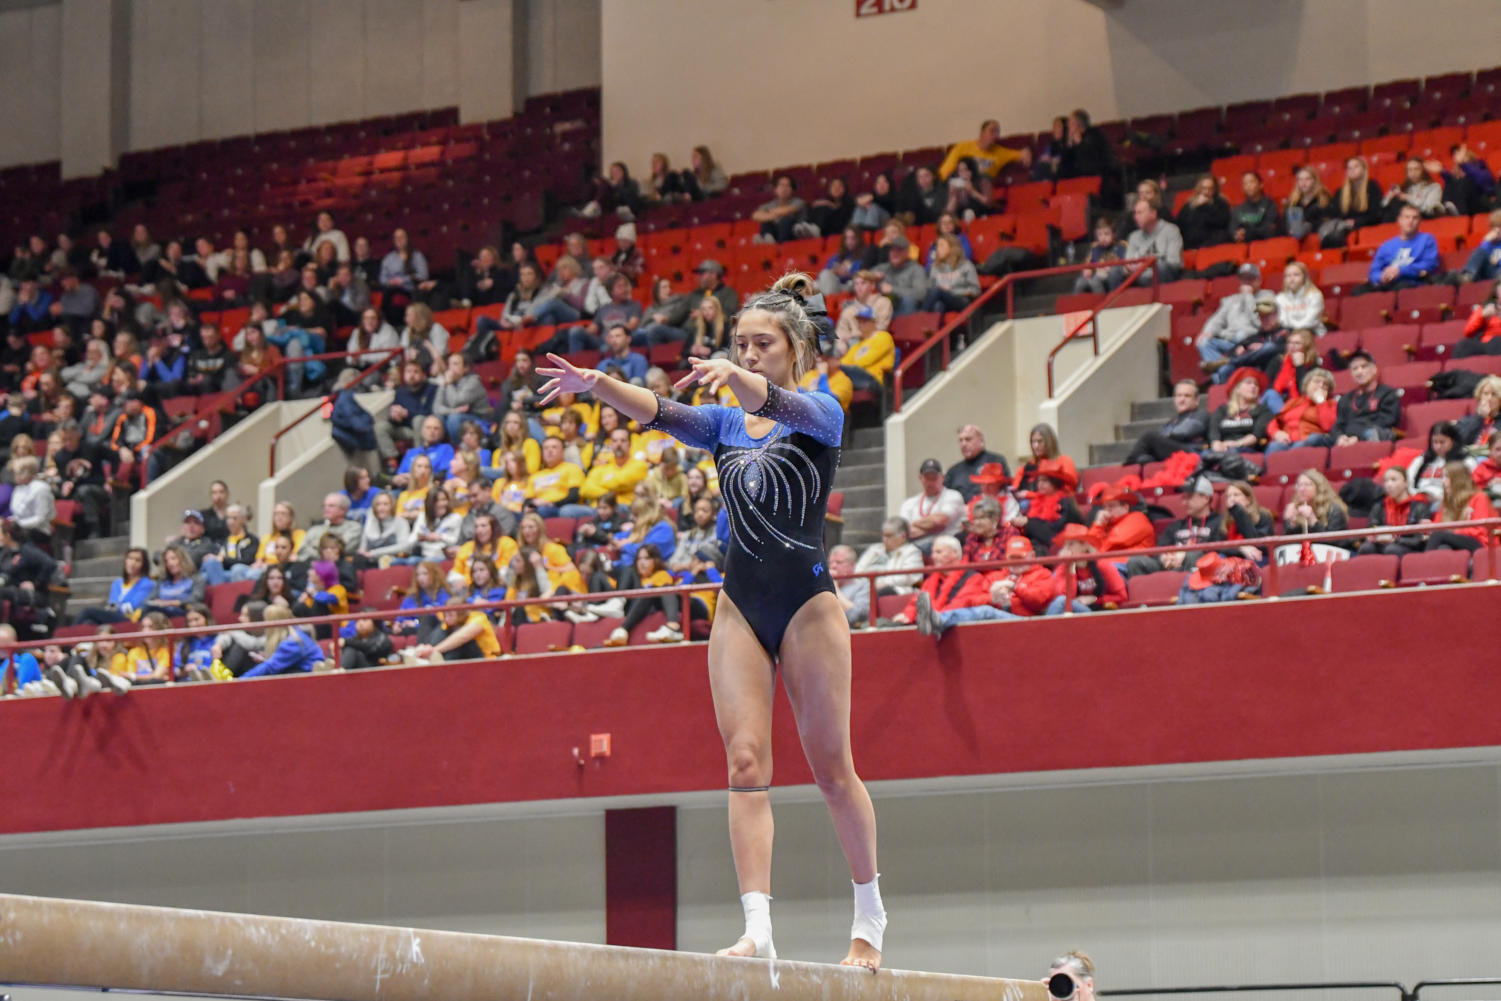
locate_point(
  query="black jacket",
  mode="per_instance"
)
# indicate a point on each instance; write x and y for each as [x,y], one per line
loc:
[1379,408]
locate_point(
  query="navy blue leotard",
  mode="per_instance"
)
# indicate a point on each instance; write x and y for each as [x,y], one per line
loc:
[776,492]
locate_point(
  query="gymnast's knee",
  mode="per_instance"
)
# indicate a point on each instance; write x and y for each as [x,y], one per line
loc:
[749,764]
[835,776]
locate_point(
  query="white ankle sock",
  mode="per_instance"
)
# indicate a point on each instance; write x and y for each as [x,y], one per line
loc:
[757,907]
[870,913]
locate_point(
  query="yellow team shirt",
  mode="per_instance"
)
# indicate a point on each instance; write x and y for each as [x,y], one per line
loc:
[530,451]
[609,477]
[649,445]
[551,486]
[839,385]
[989,161]
[585,448]
[711,473]
[119,664]
[263,552]
[587,413]
[510,494]
[669,489]
[500,554]
[488,642]
[409,503]
[142,662]
[875,354]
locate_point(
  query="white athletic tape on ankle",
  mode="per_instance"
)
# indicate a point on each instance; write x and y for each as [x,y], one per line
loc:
[757,907]
[870,914]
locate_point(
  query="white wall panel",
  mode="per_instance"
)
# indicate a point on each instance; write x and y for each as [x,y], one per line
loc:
[393,61]
[440,54]
[336,63]
[30,76]
[164,72]
[282,48]
[227,80]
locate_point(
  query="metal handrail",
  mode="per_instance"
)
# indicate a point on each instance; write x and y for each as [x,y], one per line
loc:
[1092,320]
[1008,284]
[233,396]
[390,354]
[1130,992]
[687,590]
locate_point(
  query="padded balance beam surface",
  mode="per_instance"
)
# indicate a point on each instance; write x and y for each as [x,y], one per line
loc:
[76,943]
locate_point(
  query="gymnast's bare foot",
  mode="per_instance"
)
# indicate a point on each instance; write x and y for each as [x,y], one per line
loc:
[862,954]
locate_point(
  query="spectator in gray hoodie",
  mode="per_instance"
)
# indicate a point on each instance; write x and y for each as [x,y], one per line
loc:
[1236,320]
[902,278]
[461,397]
[1153,237]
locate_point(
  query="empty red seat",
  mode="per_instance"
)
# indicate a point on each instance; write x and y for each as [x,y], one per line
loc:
[222,597]
[1341,279]
[888,605]
[540,637]
[1441,566]
[1424,303]
[914,328]
[1154,590]
[377,585]
[1284,467]
[1419,417]
[591,635]
[1363,573]
[1105,474]
[1366,310]
[1393,344]
[1294,579]
[1438,339]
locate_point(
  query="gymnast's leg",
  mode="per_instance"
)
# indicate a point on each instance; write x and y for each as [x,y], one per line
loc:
[742,680]
[816,670]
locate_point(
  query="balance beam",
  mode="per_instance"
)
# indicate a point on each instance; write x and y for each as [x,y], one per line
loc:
[84,944]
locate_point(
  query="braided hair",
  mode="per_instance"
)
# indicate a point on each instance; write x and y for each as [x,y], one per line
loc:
[787,302]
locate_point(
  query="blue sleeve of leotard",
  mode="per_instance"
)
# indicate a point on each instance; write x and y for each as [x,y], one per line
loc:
[817,415]
[696,427]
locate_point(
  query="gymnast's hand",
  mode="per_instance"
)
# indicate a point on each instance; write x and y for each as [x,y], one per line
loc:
[712,373]
[565,378]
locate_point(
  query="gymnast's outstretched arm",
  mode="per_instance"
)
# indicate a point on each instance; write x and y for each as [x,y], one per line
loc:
[634,402]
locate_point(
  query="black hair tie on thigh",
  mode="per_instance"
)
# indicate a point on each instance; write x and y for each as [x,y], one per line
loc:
[750,788]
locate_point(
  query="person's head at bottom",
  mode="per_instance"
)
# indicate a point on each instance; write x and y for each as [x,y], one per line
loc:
[1071,977]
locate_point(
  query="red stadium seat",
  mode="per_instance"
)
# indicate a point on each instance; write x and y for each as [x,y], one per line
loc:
[1438,339]
[1419,417]
[1441,566]
[540,637]
[1394,344]
[1363,573]
[1284,467]
[377,585]
[1357,461]
[1366,310]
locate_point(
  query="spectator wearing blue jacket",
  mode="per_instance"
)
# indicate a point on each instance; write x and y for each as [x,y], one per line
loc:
[129,593]
[439,453]
[1484,264]
[288,649]
[401,421]
[32,309]
[165,367]
[17,670]
[1408,259]
[620,357]
[647,527]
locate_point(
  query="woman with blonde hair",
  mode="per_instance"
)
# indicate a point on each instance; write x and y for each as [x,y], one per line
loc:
[777,613]
[1475,429]
[706,331]
[1300,304]
[288,649]
[953,280]
[1308,207]
[283,525]
[704,178]
[1357,205]
[531,533]
[513,437]
[410,502]
[1315,507]
[1245,518]
[512,488]
[1417,189]
[1462,502]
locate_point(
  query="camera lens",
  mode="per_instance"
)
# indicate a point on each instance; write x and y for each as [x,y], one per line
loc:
[1061,986]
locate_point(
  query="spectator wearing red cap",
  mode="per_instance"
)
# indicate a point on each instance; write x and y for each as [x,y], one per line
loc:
[1083,585]
[945,588]
[992,479]
[1185,431]
[1310,413]
[1051,506]
[1117,524]
[1400,506]
[1218,578]
[934,509]
[1042,441]
[1239,424]
[975,458]
[1016,590]
[1462,502]
[1197,525]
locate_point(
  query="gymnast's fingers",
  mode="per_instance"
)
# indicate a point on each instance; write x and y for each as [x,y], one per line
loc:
[687,380]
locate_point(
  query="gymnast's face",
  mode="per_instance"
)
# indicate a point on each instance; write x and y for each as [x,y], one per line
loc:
[762,346]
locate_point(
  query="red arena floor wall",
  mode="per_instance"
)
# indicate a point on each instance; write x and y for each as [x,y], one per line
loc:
[1411,670]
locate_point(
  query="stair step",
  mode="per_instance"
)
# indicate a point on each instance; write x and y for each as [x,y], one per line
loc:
[861,476]
[864,519]
[1109,453]
[862,457]
[89,587]
[95,566]
[866,496]
[114,545]
[1159,410]
[872,437]
[1132,430]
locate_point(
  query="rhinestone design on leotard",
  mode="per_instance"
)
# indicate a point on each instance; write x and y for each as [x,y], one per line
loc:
[755,482]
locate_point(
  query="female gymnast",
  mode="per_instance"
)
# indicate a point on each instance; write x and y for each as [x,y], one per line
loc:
[776,454]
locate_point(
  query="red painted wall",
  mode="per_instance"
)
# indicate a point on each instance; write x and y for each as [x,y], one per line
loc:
[1399,671]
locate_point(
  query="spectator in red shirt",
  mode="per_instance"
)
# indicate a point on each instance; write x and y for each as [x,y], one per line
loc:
[1487,474]
[992,478]
[1083,585]
[944,588]
[1462,502]
[1245,518]
[1043,441]
[1400,506]
[1016,590]
[1052,506]
[1117,524]
[1475,429]
[1483,330]
[985,541]
[1312,412]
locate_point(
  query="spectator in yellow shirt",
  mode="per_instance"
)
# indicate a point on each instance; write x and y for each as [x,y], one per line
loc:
[510,489]
[829,377]
[531,535]
[618,473]
[489,542]
[988,154]
[869,359]
[555,487]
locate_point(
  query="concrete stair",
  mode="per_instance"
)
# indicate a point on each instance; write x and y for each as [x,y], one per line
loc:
[95,565]
[862,478]
[1145,415]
